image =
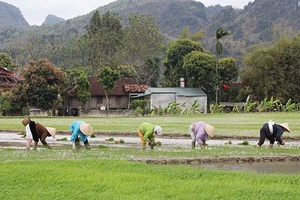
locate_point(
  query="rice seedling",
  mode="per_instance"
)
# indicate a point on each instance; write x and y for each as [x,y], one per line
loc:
[104,175]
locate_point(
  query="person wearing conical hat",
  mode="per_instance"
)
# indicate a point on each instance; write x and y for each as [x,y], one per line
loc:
[35,132]
[80,132]
[147,133]
[200,132]
[273,132]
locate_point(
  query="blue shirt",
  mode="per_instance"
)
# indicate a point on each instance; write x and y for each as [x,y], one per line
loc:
[75,128]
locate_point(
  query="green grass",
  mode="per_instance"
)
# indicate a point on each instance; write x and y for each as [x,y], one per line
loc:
[108,172]
[226,124]
[68,175]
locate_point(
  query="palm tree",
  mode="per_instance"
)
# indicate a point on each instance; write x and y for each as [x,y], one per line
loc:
[219,50]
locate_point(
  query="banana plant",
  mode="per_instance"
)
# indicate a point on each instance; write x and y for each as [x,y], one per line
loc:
[249,106]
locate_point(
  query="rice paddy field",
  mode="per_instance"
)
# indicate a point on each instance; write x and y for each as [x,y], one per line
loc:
[226,124]
[107,172]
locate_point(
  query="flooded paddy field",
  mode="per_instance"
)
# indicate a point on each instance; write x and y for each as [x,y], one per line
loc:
[261,164]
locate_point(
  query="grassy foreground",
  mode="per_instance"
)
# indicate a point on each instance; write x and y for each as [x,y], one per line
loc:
[63,174]
[226,124]
[106,173]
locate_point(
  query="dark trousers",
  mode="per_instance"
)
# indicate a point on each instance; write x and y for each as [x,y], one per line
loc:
[85,142]
[263,135]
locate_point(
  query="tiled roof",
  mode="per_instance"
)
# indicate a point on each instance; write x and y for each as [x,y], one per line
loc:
[8,79]
[4,73]
[122,88]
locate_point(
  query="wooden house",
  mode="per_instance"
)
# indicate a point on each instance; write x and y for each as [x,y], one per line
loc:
[119,99]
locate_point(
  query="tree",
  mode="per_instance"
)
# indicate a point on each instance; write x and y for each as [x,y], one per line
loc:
[220,33]
[228,70]
[7,62]
[174,61]
[148,73]
[196,37]
[104,37]
[43,82]
[77,80]
[200,71]
[143,46]
[33,45]
[274,71]
[108,78]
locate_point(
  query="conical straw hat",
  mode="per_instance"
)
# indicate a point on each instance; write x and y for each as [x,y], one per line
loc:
[86,129]
[286,126]
[25,121]
[52,131]
[210,130]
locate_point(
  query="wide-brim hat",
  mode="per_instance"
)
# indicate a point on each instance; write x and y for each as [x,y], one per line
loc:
[86,129]
[286,126]
[52,131]
[210,130]
[158,130]
[26,121]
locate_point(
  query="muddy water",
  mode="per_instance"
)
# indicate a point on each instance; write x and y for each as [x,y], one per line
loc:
[272,167]
[16,141]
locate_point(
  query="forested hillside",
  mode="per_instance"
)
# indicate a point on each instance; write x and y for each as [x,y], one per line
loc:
[256,24]
[158,42]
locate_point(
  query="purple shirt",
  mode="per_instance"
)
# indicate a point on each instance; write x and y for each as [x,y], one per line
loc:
[200,133]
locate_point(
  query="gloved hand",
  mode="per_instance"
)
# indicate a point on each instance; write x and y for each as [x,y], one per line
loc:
[152,144]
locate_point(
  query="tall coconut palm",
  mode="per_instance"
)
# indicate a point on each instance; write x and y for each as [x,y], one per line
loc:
[220,33]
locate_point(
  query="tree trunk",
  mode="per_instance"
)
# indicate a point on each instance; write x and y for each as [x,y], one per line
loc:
[107,100]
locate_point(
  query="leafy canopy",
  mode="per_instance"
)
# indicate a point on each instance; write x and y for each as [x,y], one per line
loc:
[43,82]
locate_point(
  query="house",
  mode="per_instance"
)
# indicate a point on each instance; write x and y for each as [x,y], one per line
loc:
[119,98]
[161,97]
[8,79]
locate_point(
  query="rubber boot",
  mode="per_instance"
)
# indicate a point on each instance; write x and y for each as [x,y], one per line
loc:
[87,145]
[193,145]
[77,144]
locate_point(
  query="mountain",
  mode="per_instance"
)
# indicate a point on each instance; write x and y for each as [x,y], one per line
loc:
[11,16]
[52,19]
[172,15]
[257,23]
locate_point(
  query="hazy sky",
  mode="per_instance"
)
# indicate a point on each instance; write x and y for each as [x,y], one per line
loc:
[35,11]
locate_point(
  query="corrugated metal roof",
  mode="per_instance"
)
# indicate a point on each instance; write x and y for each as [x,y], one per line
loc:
[188,92]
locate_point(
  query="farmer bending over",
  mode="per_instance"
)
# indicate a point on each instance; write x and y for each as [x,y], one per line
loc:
[146,132]
[272,132]
[200,132]
[80,132]
[36,131]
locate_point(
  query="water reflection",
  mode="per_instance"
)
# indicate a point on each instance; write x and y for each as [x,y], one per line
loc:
[271,167]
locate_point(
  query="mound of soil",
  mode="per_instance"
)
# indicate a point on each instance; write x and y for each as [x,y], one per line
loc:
[213,159]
